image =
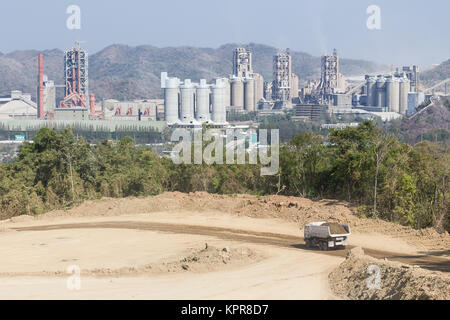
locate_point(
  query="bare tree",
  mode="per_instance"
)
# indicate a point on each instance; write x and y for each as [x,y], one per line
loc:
[380,148]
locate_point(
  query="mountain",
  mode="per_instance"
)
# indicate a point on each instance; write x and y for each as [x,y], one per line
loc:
[436,74]
[124,72]
[18,70]
[431,124]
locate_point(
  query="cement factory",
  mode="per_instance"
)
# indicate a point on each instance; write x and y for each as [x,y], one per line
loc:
[189,103]
[390,95]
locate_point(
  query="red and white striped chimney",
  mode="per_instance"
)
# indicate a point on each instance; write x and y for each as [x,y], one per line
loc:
[40,110]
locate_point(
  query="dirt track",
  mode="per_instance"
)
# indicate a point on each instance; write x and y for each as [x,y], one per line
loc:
[425,261]
[154,248]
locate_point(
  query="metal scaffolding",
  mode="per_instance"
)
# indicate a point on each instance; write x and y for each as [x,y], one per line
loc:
[282,70]
[329,74]
[76,77]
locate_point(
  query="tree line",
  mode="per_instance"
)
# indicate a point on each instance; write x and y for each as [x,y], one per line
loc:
[382,176]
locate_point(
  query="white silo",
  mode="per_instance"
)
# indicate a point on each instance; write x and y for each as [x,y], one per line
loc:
[171,90]
[187,102]
[392,94]
[396,96]
[371,91]
[227,92]
[249,94]
[202,101]
[259,87]
[237,93]
[405,88]
[381,92]
[219,113]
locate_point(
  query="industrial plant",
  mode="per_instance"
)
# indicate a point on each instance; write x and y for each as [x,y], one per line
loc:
[285,83]
[77,103]
[388,95]
[190,103]
[247,87]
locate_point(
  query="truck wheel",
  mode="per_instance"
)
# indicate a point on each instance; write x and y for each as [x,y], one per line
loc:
[308,243]
[324,246]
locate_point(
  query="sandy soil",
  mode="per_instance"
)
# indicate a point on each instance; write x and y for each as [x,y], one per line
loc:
[154,248]
[304,276]
[36,262]
[293,210]
[388,280]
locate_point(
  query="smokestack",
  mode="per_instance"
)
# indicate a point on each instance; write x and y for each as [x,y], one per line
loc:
[40,111]
[92,105]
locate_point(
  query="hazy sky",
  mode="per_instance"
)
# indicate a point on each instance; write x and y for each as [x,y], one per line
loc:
[412,31]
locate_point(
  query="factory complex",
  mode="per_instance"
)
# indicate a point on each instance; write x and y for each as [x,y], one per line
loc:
[195,102]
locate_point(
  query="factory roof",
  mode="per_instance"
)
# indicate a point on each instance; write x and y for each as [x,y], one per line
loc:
[16,108]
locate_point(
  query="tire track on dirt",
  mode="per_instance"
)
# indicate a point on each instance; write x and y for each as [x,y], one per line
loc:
[430,262]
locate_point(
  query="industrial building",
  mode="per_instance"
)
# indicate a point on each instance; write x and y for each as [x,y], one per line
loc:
[394,94]
[308,112]
[76,77]
[412,73]
[77,103]
[285,83]
[390,93]
[331,80]
[144,109]
[189,103]
[17,105]
[246,88]
[242,63]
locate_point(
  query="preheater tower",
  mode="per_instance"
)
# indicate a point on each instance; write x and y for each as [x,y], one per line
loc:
[76,76]
[282,70]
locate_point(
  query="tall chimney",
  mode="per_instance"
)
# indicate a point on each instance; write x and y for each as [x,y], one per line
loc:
[92,105]
[40,111]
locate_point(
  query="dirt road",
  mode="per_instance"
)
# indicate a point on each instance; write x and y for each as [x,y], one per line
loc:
[280,240]
[199,246]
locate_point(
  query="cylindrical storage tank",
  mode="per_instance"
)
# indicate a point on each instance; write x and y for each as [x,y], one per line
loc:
[171,100]
[203,101]
[395,107]
[405,88]
[381,92]
[237,93]
[259,87]
[249,94]
[227,92]
[371,92]
[219,113]
[187,102]
[390,94]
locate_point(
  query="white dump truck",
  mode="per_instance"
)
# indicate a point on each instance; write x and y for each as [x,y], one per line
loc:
[325,235]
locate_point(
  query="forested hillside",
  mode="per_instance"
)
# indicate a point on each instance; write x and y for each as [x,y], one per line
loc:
[380,175]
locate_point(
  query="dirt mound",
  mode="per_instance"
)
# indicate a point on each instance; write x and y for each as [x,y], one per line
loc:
[292,209]
[366,278]
[206,259]
[203,260]
[335,228]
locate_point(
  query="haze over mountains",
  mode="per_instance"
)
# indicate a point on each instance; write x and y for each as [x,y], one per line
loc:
[124,72]
[436,74]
